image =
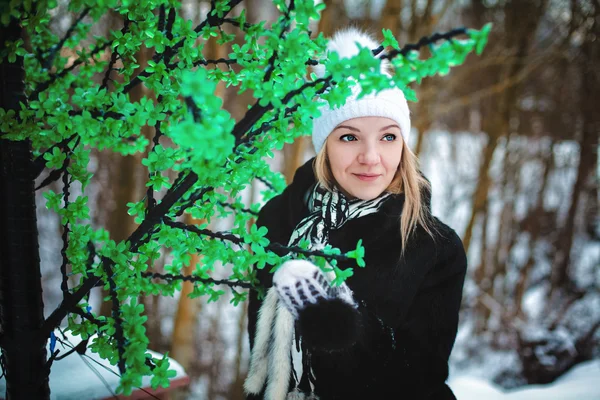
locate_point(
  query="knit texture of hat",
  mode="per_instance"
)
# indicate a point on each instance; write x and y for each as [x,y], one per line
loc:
[388,103]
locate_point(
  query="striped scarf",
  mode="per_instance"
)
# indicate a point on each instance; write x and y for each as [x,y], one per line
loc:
[330,210]
[271,361]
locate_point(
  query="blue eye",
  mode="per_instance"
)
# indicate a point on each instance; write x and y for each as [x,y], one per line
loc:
[390,137]
[348,138]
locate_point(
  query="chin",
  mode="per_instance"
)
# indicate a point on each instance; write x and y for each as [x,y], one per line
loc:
[367,194]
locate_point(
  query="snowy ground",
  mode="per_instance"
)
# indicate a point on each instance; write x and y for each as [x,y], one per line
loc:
[88,377]
[581,383]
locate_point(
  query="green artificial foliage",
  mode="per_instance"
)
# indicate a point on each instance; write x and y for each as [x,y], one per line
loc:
[78,90]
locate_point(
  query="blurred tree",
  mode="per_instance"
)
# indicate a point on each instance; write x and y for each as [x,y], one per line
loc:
[589,59]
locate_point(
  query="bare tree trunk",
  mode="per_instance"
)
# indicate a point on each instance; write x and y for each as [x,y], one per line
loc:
[332,17]
[481,278]
[214,338]
[481,192]
[391,17]
[186,318]
[152,311]
[424,120]
[422,24]
[237,390]
[588,147]
[293,157]
[519,36]
[534,228]
[506,236]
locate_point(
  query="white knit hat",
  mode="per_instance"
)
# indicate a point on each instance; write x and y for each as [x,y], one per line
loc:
[389,103]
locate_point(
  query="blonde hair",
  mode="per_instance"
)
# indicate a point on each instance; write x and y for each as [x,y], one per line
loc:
[408,180]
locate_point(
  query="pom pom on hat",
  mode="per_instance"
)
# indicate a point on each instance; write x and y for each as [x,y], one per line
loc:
[388,103]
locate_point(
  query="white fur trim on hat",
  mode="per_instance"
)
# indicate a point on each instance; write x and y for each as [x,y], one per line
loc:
[389,103]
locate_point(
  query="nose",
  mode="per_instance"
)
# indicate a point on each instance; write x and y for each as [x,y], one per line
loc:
[369,155]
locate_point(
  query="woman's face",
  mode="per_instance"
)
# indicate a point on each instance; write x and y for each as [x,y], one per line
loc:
[364,154]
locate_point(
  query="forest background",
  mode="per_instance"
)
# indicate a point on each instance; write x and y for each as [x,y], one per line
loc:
[510,143]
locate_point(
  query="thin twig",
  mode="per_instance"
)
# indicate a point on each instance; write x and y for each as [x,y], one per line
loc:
[47,63]
[113,57]
[54,77]
[116,314]
[275,247]
[155,142]
[285,25]
[194,278]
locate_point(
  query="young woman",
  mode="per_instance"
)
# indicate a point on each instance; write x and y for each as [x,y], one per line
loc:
[387,332]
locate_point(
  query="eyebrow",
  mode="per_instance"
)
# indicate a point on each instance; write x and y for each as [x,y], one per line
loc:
[358,130]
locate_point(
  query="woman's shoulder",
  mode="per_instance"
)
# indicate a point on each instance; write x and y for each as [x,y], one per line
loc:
[449,248]
[441,232]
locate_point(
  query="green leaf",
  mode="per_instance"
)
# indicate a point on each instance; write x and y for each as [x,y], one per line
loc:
[389,39]
[480,37]
[55,159]
[341,276]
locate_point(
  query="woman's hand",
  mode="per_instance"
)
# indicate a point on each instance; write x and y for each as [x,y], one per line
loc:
[300,283]
[327,316]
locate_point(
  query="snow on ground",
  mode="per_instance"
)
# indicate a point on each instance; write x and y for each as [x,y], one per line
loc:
[89,377]
[581,383]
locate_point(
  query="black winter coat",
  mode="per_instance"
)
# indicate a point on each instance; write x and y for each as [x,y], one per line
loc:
[408,312]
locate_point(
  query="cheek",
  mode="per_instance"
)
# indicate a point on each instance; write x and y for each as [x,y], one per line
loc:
[393,159]
[337,165]
[338,159]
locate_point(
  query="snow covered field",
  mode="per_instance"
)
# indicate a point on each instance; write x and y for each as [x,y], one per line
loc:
[581,383]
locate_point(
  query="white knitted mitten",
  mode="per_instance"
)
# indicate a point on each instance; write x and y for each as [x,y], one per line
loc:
[300,282]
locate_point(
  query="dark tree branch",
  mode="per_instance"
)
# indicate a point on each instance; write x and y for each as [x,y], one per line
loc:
[242,209]
[275,247]
[233,22]
[257,111]
[65,235]
[40,163]
[113,57]
[424,41]
[161,18]
[193,109]
[225,61]
[267,183]
[155,142]
[169,53]
[47,63]
[56,174]
[170,22]
[194,278]
[116,314]
[53,78]
[285,25]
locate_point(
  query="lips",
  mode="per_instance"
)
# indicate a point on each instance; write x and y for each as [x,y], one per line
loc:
[366,177]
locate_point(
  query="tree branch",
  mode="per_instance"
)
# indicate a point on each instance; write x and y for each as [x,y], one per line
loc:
[47,63]
[113,58]
[274,247]
[194,278]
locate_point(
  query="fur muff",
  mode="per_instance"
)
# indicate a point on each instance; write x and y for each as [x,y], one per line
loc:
[329,325]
